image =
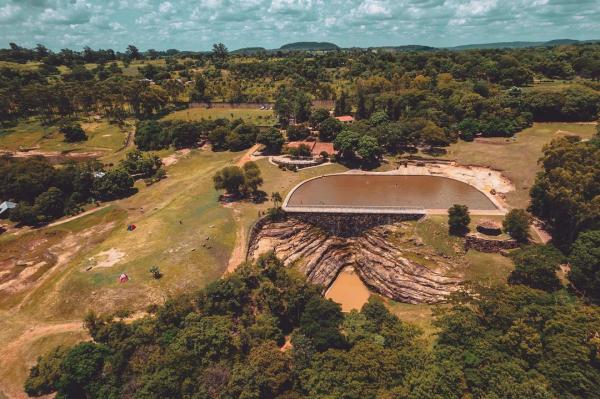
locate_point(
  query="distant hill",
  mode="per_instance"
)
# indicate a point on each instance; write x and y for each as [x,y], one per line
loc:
[249,50]
[309,46]
[410,47]
[328,46]
[481,46]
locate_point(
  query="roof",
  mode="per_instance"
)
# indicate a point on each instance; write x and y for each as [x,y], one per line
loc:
[316,148]
[6,205]
[488,224]
[296,144]
[323,147]
[345,118]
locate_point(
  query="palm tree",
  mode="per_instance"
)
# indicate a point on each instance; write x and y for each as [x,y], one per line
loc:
[276,198]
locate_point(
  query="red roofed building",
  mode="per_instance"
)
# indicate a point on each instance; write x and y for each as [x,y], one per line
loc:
[323,147]
[345,118]
[316,148]
[296,144]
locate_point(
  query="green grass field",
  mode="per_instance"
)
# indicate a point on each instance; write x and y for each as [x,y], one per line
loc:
[555,86]
[473,266]
[29,66]
[189,254]
[252,115]
[516,157]
[31,134]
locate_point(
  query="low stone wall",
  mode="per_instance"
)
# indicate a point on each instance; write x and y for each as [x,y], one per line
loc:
[482,244]
[299,163]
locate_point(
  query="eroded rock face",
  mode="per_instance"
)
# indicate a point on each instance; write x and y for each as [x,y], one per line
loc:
[397,273]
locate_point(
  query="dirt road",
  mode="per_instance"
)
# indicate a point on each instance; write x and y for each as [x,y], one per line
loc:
[238,255]
[248,155]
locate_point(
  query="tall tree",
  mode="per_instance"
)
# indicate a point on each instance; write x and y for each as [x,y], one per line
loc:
[585,265]
[458,219]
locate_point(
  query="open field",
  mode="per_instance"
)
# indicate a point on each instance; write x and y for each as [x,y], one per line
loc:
[102,136]
[473,266]
[252,115]
[516,157]
[84,257]
[29,66]
[555,86]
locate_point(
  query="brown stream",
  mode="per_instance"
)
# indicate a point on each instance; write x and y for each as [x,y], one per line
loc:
[348,290]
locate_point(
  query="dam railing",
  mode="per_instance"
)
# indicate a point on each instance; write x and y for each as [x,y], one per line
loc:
[361,209]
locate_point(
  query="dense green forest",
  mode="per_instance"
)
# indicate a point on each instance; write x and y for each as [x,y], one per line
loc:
[448,88]
[45,192]
[225,342]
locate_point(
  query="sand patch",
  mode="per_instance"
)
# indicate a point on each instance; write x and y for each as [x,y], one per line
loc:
[174,158]
[107,258]
[485,179]
[90,126]
[19,282]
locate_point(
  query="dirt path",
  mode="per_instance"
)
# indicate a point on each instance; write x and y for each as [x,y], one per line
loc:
[248,155]
[14,353]
[544,236]
[82,214]
[239,250]
[175,157]
[238,255]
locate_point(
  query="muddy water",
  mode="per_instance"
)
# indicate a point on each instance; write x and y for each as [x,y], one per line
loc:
[429,192]
[348,290]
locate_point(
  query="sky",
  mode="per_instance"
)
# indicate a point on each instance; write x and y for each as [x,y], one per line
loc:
[197,24]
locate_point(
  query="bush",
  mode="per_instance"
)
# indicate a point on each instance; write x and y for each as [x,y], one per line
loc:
[155,272]
[458,219]
[272,139]
[301,151]
[516,224]
[329,129]
[73,133]
[297,132]
[230,179]
[585,265]
[536,266]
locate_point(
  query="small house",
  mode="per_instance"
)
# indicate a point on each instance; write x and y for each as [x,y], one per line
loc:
[345,119]
[6,206]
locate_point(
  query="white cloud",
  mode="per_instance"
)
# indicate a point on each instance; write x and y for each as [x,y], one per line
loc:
[373,8]
[270,23]
[166,7]
[476,7]
[8,12]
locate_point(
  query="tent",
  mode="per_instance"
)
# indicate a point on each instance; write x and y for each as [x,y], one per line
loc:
[131,227]
[123,278]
